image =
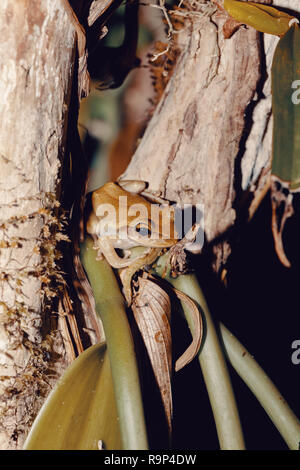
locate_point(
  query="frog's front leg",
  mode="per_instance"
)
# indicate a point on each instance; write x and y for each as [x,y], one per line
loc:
[137,263]
[106,248]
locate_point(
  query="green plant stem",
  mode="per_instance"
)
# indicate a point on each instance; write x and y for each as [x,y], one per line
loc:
[110,307]
[263,388]
[212,363]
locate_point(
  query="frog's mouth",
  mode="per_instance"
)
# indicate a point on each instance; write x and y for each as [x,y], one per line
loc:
[155,243]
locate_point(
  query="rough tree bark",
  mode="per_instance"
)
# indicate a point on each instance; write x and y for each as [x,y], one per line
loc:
[210,136]
[202,114]
[36,57]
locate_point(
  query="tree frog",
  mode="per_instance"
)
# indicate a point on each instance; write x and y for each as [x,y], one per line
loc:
[123,217]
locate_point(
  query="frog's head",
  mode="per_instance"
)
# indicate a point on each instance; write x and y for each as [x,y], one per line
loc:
[120,215]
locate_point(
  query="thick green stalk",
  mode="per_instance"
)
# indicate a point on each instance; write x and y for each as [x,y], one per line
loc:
[110,307]
[263,388]
[246,367]
[213,365]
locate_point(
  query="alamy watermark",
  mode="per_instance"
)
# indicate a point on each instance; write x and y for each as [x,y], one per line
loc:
[296,354]
[296,93]
[148,223]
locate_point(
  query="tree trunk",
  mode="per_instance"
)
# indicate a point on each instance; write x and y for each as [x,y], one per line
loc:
[209,139]
[36,63]
[190,147]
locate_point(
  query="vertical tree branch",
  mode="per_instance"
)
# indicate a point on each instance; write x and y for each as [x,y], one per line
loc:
[36,67]
[189,150]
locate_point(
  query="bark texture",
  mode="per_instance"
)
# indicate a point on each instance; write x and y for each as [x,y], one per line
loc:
[36,56]
[210,136]
[190,146]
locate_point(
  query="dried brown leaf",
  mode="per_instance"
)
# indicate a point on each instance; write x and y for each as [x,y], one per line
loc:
[194,347]
[98,8]
[282,209]
[152,311]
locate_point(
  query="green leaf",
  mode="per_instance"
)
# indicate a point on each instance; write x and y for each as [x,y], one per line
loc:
[286,109]
[262,17]
[81,410]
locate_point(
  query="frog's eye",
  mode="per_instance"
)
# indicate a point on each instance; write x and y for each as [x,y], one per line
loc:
[143,230]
